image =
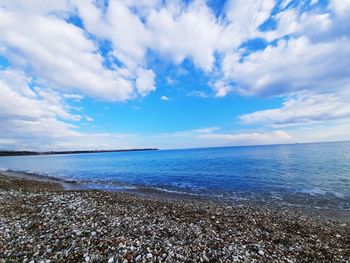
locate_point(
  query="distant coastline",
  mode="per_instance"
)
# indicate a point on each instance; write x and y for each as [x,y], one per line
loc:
[23,153]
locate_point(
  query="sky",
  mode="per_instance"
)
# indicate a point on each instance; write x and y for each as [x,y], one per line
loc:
[99,74]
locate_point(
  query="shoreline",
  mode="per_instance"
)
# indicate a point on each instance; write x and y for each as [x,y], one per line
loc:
[321,213]
[39,220]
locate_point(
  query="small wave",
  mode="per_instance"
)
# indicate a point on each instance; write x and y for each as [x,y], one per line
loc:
[176,191]
[314,197]
[318,191]
[103,187]
[40,176]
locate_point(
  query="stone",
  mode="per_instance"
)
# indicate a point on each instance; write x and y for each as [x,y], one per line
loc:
[205,258]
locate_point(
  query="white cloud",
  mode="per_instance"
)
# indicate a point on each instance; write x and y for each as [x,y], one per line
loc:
[285,3]
[72,96]
[181,31]
[64,59]
[209,138]
[341,7]
[128,36]
[176,31]
[165,98]
[36,7]
[22,102]
[198,93]
[304,109]
[18,82]
[247,15]
[26,114]
[292,66]
[206,130]
[145,81]
[221,88]
[274,137]
[322,132]
[315,56]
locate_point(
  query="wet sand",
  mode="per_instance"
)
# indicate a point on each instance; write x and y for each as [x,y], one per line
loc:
[40,221]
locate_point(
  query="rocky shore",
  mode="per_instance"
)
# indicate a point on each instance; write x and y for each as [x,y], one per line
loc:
[42,222]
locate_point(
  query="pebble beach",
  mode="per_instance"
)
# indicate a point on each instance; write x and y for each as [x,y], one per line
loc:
[40,221]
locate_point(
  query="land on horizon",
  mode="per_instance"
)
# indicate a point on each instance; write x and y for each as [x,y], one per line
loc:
[21,153]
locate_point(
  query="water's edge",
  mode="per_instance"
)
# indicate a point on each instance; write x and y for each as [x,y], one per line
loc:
[323,213]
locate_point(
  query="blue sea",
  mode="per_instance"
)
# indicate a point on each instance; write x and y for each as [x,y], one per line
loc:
[306,175]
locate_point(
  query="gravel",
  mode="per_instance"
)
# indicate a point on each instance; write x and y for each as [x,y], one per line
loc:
[41,222]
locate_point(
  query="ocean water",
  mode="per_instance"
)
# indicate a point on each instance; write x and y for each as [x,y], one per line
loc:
[310,175]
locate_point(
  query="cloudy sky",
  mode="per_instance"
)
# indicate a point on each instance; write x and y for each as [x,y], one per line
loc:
[99,74]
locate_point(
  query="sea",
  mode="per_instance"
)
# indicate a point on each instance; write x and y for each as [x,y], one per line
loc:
[313,175]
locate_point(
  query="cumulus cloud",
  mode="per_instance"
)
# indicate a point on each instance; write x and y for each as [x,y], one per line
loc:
[63,59]
[66,59]
[304,109]
[182,31]
[247,15]
[22,102]
[176,31]
[221,88]
[292,66]
[312,53]
[36,118]
[52,61]
[145,81]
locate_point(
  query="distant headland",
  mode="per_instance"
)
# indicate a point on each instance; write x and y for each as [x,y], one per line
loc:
[21,153]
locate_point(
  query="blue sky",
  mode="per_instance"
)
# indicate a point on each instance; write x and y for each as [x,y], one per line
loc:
[93,74]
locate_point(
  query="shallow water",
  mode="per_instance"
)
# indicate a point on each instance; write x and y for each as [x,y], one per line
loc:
[316,175]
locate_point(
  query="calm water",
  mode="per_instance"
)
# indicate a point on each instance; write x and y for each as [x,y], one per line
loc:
[304,174]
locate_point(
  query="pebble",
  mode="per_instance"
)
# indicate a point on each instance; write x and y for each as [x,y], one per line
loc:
[205,258]
[119,227]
